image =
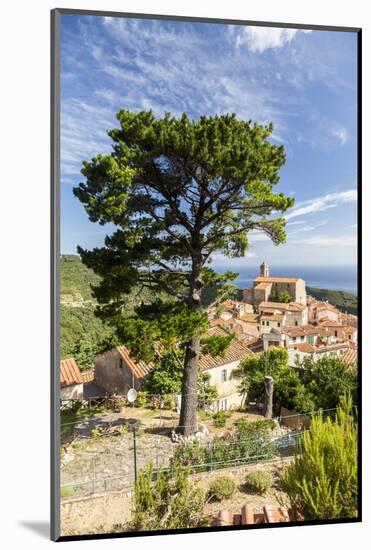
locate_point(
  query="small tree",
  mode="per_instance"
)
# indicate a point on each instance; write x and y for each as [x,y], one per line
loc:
[329,379]
[322,481]
[169,502]
[282,297]
[288,388]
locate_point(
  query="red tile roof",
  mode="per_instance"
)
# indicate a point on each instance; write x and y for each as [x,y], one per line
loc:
[140,369]
[277,279]
[262,286]
[87,376]
[350,357]
[69,373]
[304,347]
[291,306]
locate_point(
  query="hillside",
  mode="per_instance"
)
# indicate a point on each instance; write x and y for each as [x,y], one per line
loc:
[76,279]
[345,301]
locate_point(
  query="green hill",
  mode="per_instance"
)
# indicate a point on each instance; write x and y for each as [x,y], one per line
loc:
[345,301]
[76,279]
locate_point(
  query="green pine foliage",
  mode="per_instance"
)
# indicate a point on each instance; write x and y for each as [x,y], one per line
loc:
[322,482]
[177,190]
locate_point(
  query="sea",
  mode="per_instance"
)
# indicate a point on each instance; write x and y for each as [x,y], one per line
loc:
[329,277]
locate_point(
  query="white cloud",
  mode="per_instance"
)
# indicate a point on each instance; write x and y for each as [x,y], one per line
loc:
[340,134]
[259,39]
[328,241]
[319,204]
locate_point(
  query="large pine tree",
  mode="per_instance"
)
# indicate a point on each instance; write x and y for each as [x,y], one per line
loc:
[179,191]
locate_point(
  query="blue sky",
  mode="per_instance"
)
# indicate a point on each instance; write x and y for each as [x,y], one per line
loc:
[302,81]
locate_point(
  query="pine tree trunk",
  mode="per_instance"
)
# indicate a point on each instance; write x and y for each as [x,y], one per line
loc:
[268,397]
[188,410]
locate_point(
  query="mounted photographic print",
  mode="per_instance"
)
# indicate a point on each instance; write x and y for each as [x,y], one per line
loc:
[206,194]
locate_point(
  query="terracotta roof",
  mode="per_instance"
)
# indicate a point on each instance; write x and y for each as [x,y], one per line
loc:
[341,345]
[273,317]
[328,323]
[304,347]
[277,279]
[249,317]
[87,376]
[69,373]
[349,329]
[262,286]
[350,357]
[301,331]
[237,350]
[140,369]
[291,306]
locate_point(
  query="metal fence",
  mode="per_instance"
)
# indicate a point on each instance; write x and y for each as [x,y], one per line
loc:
[282,446]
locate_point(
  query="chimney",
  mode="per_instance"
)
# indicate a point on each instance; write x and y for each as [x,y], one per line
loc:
[264,270]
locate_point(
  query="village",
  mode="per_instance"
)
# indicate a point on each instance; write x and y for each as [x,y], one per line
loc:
[112,426]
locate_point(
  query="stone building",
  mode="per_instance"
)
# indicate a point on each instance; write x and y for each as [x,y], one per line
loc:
[265,285]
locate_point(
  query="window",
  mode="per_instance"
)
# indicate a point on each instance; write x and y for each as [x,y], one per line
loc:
[288,286]
[296,323]
[302,338]
[224,375]
[336,333]
[267,323]
[263,322]
[278,324]
[223,405]
[294,339]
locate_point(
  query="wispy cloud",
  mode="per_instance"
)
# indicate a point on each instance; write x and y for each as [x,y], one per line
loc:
[259,39]
[323,240]
[319,204]
[341,135]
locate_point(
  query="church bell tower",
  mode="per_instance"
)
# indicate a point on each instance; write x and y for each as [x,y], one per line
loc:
[264,270]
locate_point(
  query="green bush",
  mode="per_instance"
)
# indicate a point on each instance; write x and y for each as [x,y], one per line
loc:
[169,502]
[220,419]
[222,487]
[258,481]
[142,399]
[169,402]
[322,482]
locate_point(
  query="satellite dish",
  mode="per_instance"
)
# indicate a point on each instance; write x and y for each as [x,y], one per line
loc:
[132,395]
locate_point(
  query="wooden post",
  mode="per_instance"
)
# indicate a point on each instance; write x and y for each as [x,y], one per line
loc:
[268,397]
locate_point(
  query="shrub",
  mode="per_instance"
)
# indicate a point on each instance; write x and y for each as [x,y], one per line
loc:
[220,419]
[222,487]
[169,402]
[169,502]
[322,481]
[142,398]
[258,481]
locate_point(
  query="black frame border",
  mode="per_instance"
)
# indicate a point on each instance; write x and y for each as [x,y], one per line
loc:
[55,270]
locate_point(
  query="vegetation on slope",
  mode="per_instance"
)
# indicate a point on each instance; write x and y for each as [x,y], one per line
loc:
[345,301]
